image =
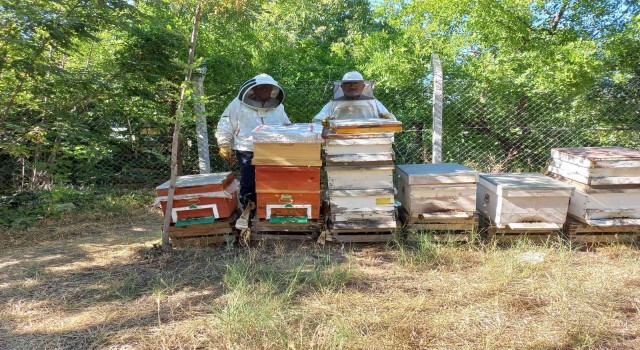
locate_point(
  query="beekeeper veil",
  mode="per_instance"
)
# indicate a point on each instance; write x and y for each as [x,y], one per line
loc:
[261,91]
[353,97]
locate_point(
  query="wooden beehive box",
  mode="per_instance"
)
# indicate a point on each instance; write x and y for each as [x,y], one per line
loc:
[606,207]
[362,205]
[288,191]
[372,149]
[201,198]
[287,145]
[523,201]
[597,166]
[359,177]
[364,126]
[446,190]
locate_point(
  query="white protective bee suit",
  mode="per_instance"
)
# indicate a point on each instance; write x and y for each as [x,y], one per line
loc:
[363,106]
[246,112]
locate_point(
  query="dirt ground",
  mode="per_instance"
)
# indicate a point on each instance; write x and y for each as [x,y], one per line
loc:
[98,283]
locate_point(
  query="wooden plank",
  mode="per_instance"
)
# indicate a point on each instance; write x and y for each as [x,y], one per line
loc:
[361,238]
[260,225]
[451,215]
[461,237]
[534,238]
[202,241]
[532,226]
[469,226]
[595,189]
[283,237]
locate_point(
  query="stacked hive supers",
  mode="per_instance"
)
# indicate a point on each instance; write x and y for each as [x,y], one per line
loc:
[287,160]
[359,166]
[202,206]
[606,199]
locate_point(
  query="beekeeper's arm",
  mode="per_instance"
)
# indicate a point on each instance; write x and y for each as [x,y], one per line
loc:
[285,118]
[324,113]
[224,133]
[383,112]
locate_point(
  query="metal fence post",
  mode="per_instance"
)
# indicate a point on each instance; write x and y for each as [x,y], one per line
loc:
[436,156]
[201,123]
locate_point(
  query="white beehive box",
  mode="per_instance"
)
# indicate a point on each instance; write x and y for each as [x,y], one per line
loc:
[362,205]
[606,207]
[364,150]
[359,178]
[523,201]
[597,166]
[446,190]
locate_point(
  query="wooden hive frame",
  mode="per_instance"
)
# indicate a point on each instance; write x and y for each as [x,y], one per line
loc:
[578,232]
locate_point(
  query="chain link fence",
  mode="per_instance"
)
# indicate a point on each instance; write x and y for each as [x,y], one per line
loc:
[487,129]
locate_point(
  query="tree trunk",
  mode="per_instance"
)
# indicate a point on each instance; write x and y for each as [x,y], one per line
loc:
[176,130]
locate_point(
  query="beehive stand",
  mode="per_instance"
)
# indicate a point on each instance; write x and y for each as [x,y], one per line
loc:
[219,232]
[457,228]
[578,232]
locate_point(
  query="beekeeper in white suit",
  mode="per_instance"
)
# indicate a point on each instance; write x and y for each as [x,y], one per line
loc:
[352,99]
[259,102]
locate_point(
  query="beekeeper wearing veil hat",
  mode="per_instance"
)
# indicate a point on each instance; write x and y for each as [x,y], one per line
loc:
[353,99]
[258,102]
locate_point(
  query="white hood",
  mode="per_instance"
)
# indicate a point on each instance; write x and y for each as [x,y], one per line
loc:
[247,96]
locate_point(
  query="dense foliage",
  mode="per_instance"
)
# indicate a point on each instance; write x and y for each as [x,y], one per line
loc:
[88,87]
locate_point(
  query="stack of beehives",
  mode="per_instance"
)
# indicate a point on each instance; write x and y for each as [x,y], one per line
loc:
[287,160]
[359,166]
[202,207]
[607,185]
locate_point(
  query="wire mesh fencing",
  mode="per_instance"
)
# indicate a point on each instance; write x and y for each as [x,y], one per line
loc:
[487,129]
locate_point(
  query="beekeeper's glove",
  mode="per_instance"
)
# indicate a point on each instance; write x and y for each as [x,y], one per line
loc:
[325,121]
[227,154]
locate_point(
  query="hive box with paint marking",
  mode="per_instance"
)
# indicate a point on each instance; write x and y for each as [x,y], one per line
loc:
[201,198]
[446,190]
[522,201]
[288,191]
[287,145]
[357,206]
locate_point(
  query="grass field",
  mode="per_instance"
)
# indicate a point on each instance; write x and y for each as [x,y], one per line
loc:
[97,282]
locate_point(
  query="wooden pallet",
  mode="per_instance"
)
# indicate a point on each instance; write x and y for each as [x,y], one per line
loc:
[361,232]
[582,233]
[262,229]
[445,230]
[515,233]
[221,231]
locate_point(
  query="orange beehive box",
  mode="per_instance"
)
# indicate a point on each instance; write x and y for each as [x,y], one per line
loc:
[281,203]
[287,178]
[201,196]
